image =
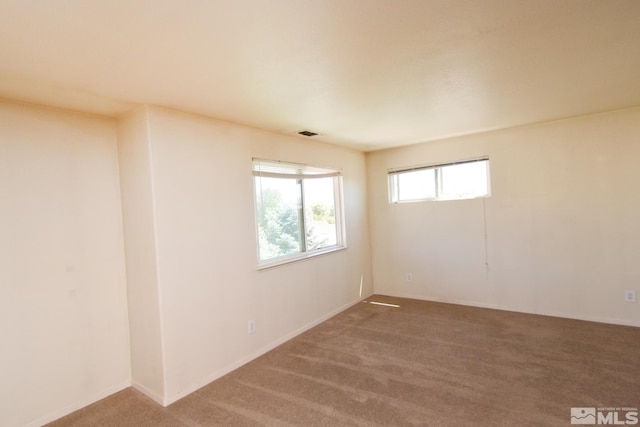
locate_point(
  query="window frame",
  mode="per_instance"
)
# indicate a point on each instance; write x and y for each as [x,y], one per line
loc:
[393,181]
[303,172]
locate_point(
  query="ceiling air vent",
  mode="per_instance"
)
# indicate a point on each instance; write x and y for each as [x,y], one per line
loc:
[307,133]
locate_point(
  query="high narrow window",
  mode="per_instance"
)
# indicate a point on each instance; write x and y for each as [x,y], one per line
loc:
[461,180]
[298,211]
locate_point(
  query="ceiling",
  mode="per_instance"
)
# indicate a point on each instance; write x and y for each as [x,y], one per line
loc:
[368,74]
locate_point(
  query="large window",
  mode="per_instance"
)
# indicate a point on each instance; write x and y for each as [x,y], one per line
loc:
[461,180]
[298,211]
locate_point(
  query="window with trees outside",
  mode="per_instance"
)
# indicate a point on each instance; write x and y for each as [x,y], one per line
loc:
[298,211]
[451,181]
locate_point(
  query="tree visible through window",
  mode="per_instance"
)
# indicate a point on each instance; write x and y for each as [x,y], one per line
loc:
[298,210]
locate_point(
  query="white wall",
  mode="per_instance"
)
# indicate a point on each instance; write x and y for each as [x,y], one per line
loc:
[559,234]
[134,154]
[63,308]
[209,285]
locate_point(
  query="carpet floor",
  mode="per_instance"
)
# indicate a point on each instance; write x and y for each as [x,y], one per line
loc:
[415,363]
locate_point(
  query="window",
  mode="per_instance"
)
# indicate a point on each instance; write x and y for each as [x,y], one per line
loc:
[451,181]
[298,211]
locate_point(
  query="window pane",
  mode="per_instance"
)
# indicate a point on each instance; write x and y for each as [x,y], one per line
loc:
[278,209]
[416,185]
[452,181]
[296,211]
[463,181]
[320,212]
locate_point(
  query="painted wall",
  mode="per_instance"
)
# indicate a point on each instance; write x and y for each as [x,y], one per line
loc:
[63,308]
[559,235]
[138,211]
[205,240]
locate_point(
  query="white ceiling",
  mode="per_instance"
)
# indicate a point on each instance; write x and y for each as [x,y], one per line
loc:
[368,74]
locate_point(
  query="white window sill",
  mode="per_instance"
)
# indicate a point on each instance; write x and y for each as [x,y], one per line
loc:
[276,262]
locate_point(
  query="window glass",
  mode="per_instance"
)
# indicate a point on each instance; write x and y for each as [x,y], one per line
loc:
[278,210]
[463,181]
[298,211]
[417,185]
[451,181]
[320,213]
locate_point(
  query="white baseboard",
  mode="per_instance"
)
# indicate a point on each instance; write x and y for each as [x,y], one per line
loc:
[147,392]
[79,404]
[243,361]
[609,320]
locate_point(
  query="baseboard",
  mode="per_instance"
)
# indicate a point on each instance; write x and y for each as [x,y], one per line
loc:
[147,392]
[608,320]
[79,404]
[243,361]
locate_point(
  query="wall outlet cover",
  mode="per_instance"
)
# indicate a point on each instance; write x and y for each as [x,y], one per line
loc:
[630,296]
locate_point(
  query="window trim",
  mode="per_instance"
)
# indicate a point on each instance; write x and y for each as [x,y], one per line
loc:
[393,182]
[292,170]
[303,256]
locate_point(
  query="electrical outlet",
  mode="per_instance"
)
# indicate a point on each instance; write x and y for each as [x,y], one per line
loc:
[409,277]
[251,326]
[630,296]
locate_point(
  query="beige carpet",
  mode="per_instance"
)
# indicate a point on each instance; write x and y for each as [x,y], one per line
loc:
[421,363]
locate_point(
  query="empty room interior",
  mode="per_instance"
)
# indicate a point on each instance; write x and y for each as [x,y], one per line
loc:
[321,212]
